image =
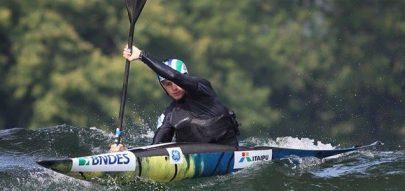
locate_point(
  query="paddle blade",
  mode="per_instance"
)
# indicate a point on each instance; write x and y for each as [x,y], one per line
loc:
[134,8]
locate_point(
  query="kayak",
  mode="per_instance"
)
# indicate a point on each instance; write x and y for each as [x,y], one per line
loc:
[178,161]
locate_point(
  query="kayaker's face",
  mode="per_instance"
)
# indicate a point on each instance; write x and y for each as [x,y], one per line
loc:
[174,91]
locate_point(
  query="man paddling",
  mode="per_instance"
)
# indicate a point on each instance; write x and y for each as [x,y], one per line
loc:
[196,114]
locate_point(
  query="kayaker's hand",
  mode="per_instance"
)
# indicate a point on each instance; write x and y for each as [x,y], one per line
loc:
[117,148]
[136,53]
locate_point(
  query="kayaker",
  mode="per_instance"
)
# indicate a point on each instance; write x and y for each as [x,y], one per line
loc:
[196,114]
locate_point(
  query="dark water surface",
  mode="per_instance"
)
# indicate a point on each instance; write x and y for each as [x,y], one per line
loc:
[380,169]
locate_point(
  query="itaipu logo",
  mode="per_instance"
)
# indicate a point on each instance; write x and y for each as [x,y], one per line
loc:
[176,155]
[245,155]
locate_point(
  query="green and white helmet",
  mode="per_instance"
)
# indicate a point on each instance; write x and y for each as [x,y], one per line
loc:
[175,64]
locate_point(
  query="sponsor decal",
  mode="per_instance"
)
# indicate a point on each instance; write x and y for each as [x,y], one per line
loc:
[247,158]
[245,155]
[119,161]
[175,155]
[83,161]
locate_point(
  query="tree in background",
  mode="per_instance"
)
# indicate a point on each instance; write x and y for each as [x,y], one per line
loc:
[320,69]
[369,70]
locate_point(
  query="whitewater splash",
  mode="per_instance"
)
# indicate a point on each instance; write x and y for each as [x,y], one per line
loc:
[144,137]
[20,148]
[292,162]
[290,142]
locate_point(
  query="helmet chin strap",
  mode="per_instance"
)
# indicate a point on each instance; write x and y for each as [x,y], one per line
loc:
[160,83]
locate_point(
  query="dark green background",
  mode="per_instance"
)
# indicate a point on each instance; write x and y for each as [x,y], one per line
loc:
[331,70]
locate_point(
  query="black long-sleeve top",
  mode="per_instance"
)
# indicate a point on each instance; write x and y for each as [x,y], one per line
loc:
[200,100]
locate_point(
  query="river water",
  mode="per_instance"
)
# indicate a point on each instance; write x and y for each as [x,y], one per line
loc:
[378,169]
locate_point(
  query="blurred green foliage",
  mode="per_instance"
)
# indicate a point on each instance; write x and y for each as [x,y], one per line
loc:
[332,70]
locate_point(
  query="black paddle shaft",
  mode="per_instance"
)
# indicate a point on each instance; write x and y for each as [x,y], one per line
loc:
[134,8]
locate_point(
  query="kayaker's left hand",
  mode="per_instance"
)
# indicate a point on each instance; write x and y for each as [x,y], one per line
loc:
[117,148]
[136,53]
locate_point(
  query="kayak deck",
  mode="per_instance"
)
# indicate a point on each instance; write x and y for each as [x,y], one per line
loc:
[178,161]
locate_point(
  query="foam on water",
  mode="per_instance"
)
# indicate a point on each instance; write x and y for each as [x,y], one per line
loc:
[20,148]
[47,180]
[290,142]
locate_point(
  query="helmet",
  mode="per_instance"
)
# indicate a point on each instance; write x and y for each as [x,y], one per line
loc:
[175,64]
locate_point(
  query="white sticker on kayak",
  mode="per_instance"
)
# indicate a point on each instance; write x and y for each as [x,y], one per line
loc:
[109,162]
[175,155]
[247,158]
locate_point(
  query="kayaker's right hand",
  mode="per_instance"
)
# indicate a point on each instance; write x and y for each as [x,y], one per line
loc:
[117,148]
[136,53]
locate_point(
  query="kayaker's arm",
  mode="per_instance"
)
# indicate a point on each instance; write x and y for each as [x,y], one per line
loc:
[182,80]
[163,134]
[191,84]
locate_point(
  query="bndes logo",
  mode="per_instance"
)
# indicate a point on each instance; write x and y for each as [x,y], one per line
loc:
[84,161]
[121,161]
[110,159]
